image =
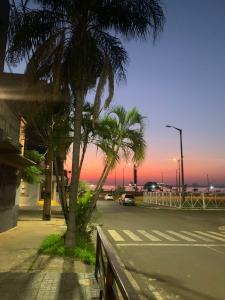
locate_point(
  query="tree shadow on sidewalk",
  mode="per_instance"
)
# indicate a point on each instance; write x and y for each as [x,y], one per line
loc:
[69,286]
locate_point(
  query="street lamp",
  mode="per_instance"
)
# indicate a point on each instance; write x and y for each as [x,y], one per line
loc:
[178,181]
[181,158]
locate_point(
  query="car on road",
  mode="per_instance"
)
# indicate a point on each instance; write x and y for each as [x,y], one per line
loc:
[127,199]
[108,197]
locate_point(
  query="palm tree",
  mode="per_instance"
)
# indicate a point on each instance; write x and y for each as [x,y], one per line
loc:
[77,43]
[120,135]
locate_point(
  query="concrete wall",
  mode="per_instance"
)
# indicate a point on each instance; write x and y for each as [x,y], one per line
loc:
[9,122]
[29,194]
[8,210]
[8,218]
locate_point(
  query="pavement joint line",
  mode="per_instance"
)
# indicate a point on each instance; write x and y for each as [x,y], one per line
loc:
[168,245]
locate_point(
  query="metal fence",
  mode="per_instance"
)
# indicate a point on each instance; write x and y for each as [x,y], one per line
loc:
[114,284]
[191,200]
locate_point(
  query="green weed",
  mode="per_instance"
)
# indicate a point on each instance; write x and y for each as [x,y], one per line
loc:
[84,250]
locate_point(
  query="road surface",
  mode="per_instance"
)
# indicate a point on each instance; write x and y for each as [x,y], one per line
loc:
[167,253]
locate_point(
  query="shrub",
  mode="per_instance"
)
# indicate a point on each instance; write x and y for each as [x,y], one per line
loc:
[83,206]
[33,174]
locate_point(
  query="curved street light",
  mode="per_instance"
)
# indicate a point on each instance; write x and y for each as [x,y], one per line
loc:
[181,158]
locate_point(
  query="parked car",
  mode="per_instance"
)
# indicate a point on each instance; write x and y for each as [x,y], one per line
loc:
[108,197]
[127,199]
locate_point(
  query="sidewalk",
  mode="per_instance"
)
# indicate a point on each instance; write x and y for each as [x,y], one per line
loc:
[25,275]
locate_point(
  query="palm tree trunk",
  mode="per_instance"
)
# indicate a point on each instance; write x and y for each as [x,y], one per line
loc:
[48,186]
[102,176]
[61,170]
[101,182]
[71,228]
[83,153]
[60,190]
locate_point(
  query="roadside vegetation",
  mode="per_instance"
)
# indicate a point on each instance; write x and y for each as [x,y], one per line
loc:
[54,245]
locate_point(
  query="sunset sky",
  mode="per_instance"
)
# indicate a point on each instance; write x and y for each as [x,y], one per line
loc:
[180,81]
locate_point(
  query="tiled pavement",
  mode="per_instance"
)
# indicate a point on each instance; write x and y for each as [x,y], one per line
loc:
[47,286]
[24,275]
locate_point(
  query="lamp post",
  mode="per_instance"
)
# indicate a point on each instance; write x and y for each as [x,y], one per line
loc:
[181,158]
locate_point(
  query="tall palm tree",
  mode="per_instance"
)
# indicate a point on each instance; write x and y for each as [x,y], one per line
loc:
[77,43]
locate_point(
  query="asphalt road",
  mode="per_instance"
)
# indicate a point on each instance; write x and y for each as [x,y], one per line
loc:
[168,254]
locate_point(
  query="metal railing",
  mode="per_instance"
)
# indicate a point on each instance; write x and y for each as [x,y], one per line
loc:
[191,200]
[112,280]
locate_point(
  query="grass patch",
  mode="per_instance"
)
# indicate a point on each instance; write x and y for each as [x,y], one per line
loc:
[54,245]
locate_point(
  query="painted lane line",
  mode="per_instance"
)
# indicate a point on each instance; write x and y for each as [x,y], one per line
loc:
[216,233]
[217,251]
[165,236]
[181,236]
[132,236]
[195,235]
[149,236]
[211,236]
[116,236]
[168,245]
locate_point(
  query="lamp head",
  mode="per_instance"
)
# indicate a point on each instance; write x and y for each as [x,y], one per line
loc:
[168,126]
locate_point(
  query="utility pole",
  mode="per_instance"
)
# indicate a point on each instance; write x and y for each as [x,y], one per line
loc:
[135,176]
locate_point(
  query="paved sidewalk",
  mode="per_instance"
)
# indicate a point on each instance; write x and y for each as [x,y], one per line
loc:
[25,275]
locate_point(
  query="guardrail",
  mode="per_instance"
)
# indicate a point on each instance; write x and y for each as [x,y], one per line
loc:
[191,200]
[112,280]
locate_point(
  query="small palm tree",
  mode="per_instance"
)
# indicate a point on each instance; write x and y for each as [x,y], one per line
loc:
[120,135]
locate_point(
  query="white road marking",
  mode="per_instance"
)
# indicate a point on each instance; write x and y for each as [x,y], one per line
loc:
[216,233]
[165,236]
[211,236]
[183,237]
[133,236]
[155,292]
[168,245]
[149,236]
[218,251]
[116,236]
[197,236]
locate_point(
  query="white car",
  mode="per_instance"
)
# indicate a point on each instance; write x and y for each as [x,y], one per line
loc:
[127,199]
[108,197]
